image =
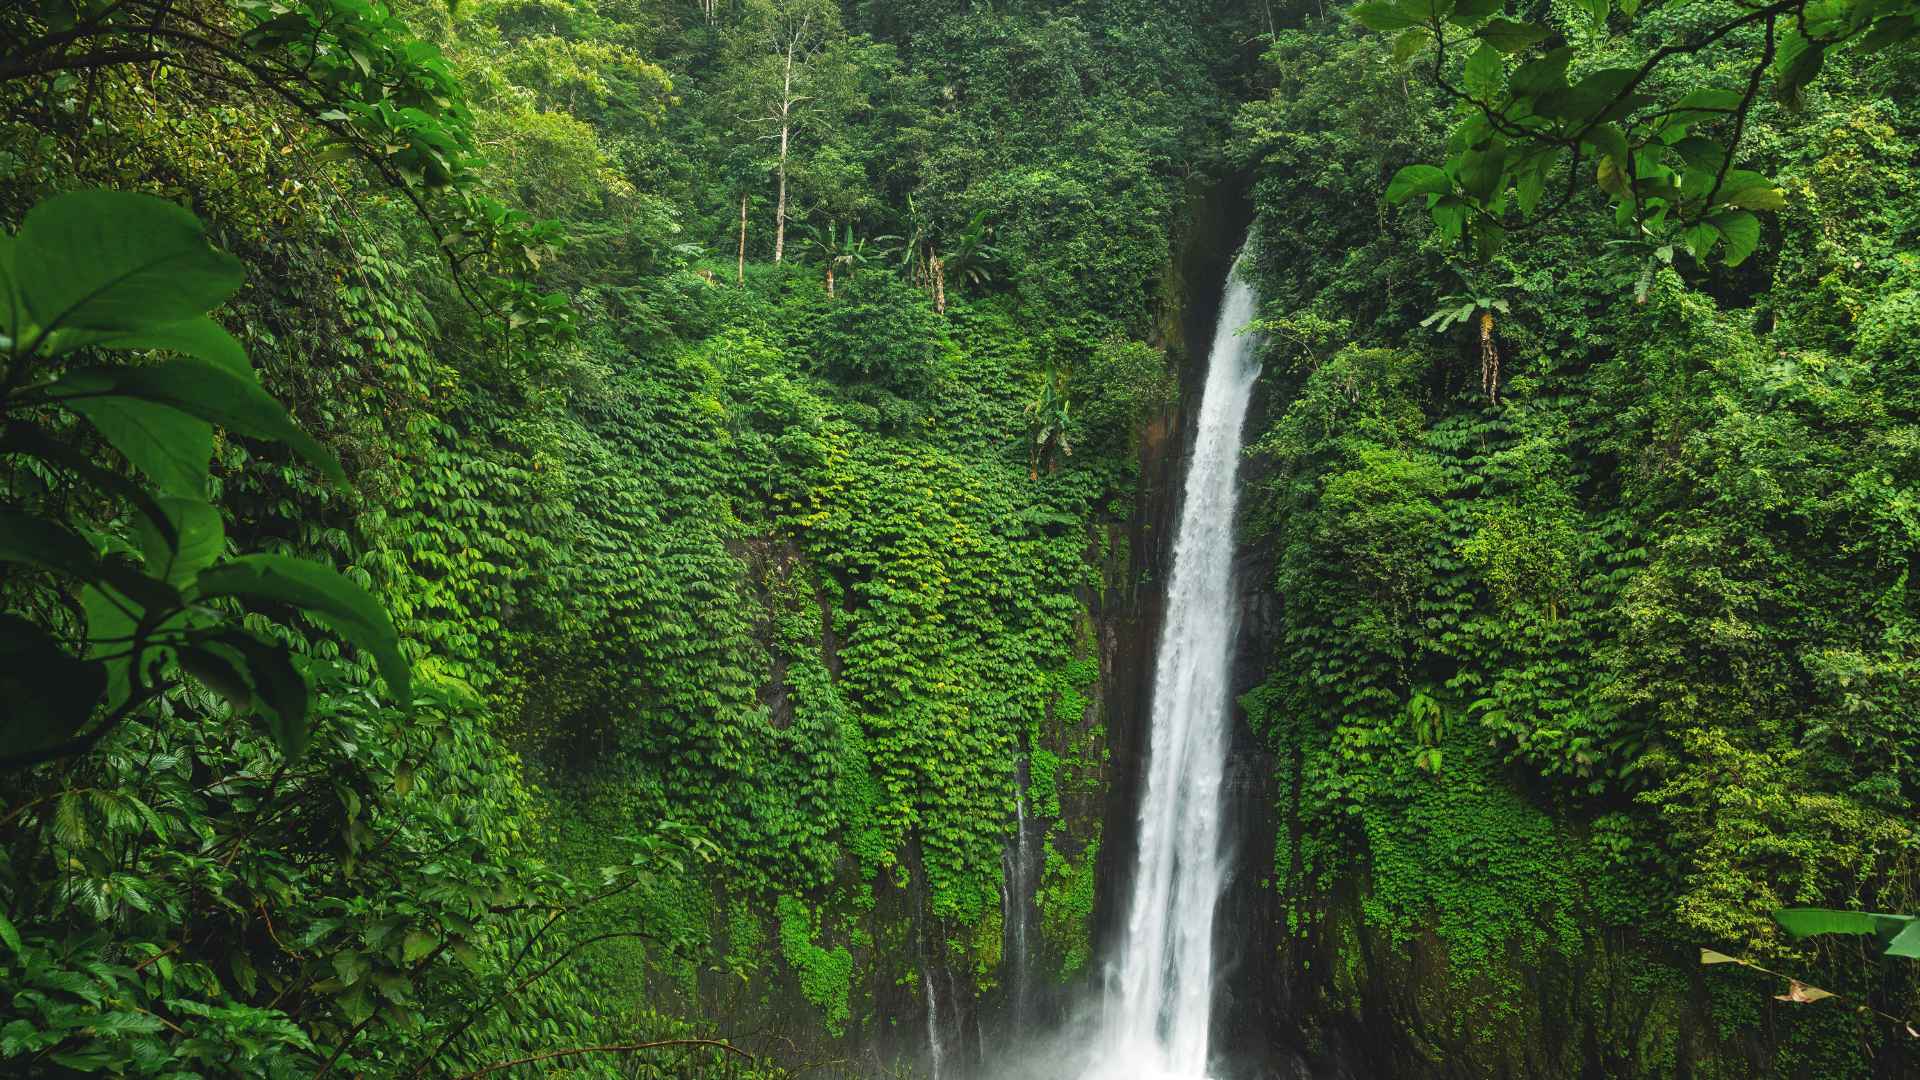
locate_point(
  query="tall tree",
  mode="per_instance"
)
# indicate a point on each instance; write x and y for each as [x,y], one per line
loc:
[786,52]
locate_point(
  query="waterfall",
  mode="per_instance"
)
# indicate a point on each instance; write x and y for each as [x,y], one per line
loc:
[1159,1004]
[1016,903]
[936,1044]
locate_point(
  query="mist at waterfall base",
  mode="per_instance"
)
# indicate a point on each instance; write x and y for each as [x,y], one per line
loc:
[1151,1020]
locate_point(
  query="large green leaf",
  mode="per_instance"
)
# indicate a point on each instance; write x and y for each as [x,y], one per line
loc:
[1485,74]
[1796,63]
[20,439]
[10,311]
[1906,943]
[199,539]
[1541,75]
[1511,36]
[255,674]
[171,447]
[49,692]
[1468,12]
[280,692]
[1385,15]
[1599,95]
[333,600]
[1808,922]
[202,338]
[209,391]
[1742,231]
[1700,239]
[115,260]
[218,671]
[36,541]
[1745,190]
[1482,172]
[1418,180]
[111,628]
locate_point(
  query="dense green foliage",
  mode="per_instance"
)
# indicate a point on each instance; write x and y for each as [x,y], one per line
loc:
[1596,640]
[729,589]
[605,501]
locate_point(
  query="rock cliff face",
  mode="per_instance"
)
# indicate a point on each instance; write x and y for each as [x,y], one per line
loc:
[924,988]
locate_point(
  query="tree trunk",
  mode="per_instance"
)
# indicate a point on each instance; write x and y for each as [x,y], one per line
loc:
[780,207]
[786,133]
[937,270]
[742,278]
[1489,359]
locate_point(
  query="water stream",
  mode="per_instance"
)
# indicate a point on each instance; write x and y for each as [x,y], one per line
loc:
[1159,1005]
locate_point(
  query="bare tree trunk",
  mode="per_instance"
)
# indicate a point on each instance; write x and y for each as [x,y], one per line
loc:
[786,132]
[1489,359]
[829,277]
[937,270]
[780,208]
[742,278]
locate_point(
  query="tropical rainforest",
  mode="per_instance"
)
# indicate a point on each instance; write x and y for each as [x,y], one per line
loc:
[623,538]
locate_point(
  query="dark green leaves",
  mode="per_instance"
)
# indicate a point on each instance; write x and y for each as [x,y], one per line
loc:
[112,272]
[103,260]
[1485,73]
[1468,12]
[1511,36]
[257,675]
[48,692]
[340,604]
[1386,15]
[1796,63]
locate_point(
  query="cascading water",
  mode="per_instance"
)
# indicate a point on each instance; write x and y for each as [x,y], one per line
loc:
[1160,1004]
[1016,904]
[936,1039]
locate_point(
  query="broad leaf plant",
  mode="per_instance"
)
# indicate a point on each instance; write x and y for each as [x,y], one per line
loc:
[103,318]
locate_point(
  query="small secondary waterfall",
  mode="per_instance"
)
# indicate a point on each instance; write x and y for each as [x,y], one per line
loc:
[936,1040]
[1017,885]
[1159,1006]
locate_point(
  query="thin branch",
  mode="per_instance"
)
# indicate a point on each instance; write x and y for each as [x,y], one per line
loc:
[47,65]
[1740,117]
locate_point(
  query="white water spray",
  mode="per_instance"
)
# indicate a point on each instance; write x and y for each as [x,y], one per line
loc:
[1160,1006]
[936,1044]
